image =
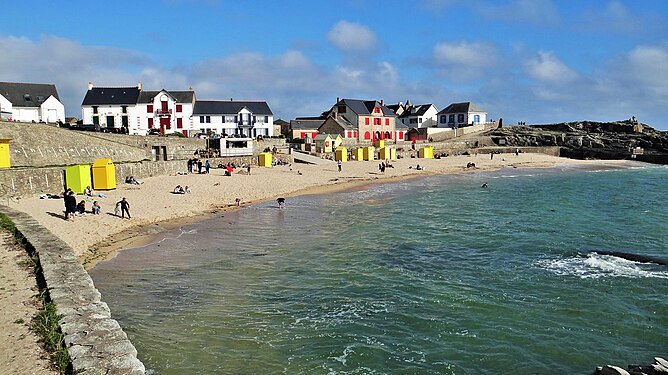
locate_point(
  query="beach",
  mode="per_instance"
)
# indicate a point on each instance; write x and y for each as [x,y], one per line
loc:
[154,207]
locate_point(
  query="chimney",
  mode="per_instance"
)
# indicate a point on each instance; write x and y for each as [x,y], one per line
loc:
[90,85]
[139,86]
[338,100]
[382,102]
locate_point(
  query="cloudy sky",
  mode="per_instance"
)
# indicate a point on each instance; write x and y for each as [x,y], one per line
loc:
[537,61]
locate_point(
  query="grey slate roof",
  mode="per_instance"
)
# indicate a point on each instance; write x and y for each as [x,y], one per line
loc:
[307,123]
[16,92]
[220,107]
[179,96]
[365,107]
[416,110]
[464,107]
[111,96]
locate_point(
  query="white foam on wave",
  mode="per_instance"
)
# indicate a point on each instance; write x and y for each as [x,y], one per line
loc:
[595,266]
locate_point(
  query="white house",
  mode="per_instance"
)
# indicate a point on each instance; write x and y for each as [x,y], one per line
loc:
[416,116]
[227,117]
[458,115]
[30,102]
[135,111]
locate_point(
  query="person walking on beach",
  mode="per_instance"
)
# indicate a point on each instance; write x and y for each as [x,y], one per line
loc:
[125,207]
[199,166]
[207,166]
[339,165]
[248,169]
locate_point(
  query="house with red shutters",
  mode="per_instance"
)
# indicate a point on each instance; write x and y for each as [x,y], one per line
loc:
[132,110]
[370,120]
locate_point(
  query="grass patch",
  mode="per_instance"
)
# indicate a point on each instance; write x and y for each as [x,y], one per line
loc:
[7,223]
[45,325]
[19,321]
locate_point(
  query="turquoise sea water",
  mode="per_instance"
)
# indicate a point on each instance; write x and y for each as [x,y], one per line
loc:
[428,276]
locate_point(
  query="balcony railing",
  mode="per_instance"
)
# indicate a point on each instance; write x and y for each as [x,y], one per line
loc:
[163,112]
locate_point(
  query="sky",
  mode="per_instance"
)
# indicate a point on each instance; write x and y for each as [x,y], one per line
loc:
[535,61]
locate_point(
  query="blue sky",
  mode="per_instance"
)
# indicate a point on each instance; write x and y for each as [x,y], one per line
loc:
[537,61]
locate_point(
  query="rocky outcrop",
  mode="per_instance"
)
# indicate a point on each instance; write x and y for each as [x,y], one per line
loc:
[589,139]
[659,367]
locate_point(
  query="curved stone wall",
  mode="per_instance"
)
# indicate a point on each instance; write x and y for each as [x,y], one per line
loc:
[96,342]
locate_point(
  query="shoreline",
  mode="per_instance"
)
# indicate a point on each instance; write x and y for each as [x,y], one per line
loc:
[155,209]
[138,237]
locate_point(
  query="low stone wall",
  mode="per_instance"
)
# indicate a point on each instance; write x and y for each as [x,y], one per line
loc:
[96,342]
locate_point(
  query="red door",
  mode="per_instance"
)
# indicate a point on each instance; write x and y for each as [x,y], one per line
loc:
[164,124]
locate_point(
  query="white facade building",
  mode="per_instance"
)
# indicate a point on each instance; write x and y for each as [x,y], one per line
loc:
[135,111]
[458,115]
[30,102]
[419,116]
[227,117]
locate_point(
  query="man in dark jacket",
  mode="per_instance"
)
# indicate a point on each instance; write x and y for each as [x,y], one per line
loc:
[70,205]
[125,207]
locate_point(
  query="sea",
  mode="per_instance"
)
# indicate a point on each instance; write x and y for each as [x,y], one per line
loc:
[436,275]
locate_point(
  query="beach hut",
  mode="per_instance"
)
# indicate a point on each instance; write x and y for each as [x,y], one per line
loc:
[4,153]
[264,159]
[341,154]
[77,177]
[393,154]
[379,143]
[426,152]
[384,153]
[357,154]
[369,153]
[104,174]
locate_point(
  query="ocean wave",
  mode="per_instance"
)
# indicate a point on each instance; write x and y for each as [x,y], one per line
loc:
[593,266]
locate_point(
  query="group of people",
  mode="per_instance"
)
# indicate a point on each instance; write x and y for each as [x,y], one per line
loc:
[195,165]
[181,190]
[383,165]
[74,208]
[132,180]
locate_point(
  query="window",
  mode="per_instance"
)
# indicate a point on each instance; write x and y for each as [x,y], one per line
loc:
[179,108]
[149,108]
[236,119]
[27,98]
[201,119]
[376,110]
[451,119]
[460,118]
[124,109]
[94,109]
[367,135]
[420,120]
[476,119]
[376,121]
[254,119]
[387,121]
[412,121]
[341,109]
[266,119]
[150,123]
[366,121]
[96,120]
[179,123]
[444,119]
[40,98]
[208,119]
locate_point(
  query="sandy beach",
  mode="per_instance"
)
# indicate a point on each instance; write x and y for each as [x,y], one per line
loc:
[154,207]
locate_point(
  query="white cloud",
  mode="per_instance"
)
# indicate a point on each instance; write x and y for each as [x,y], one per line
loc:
[547,67]
[464,61]
[352,37]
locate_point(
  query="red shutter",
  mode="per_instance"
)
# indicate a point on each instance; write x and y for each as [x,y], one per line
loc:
[387,121]
[314,134]
[150,123]
[303,135]
[366,121]
[367,135]
[179,121]
[178,108]
[149,108]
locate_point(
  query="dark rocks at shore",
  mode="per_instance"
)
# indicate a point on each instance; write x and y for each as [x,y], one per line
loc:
[627,139]
[659,367]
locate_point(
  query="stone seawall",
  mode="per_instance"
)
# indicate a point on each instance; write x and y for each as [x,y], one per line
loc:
[96,342]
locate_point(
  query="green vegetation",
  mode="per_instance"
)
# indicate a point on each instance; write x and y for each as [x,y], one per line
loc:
[45,323]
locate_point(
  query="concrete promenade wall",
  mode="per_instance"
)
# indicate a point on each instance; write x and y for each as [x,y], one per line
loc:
[96,343]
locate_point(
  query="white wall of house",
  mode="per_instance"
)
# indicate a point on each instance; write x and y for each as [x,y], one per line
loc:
[459,119]
[52,110]
[6,108]
[228,124]
[26,114]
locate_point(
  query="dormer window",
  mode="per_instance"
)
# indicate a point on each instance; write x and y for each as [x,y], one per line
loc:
[27,98]
[40,98]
